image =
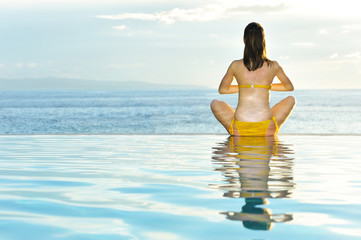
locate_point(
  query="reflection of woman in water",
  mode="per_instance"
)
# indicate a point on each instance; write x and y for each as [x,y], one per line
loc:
[254,75]
[255,168]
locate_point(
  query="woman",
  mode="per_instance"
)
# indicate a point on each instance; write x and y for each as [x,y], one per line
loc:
[254,74]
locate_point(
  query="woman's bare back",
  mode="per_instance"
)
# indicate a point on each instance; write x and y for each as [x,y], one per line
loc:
[253,103]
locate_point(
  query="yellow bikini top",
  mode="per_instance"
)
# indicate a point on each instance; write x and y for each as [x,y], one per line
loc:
[255,86]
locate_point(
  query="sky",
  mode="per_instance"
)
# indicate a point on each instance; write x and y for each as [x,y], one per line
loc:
[190,42]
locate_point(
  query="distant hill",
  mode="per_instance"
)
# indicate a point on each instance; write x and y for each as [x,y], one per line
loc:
[81,84]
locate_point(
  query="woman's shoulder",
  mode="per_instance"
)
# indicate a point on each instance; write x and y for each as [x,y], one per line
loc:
[237,63]
[273,64]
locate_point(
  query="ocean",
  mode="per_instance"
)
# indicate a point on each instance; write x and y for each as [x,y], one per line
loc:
[164,112]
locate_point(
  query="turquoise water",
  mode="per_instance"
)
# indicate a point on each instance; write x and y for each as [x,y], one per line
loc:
[164,111]
[179,187]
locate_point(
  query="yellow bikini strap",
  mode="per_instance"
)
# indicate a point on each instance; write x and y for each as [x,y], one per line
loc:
[255,86]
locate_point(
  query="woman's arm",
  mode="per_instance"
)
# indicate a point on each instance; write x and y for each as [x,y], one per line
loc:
[225,86]
[286,84]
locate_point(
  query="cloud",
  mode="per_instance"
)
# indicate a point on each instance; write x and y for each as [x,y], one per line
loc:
[258,8]
[120,27]
[52,2]
[356,55]
[19,65]
[32,65]
[322,31]
[333,56]
[350,28]
[2,65]
[177,14]
[335,60]
[199,14]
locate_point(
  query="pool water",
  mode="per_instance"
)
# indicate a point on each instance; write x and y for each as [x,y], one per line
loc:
[180,187]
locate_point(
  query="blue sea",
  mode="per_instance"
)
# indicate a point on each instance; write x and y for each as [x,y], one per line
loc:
[164,111]
[186,181]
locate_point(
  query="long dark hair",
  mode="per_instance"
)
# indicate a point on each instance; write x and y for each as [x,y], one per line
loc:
[254,54]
